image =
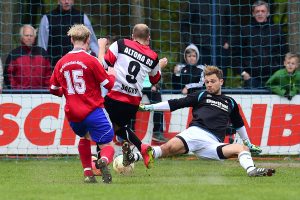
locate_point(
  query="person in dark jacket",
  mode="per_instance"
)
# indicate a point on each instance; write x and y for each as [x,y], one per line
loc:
[210,26]
[188,77]
[55,25]
[263,47]
[27,66]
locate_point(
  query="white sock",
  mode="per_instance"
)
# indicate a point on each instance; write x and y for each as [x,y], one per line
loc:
[138,156]
[246,161]
[105,159]
[157,152]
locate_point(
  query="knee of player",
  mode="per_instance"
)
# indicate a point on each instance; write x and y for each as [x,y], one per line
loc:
[173,147]
[231,150]
[166,149]
[240,148]
[245,148]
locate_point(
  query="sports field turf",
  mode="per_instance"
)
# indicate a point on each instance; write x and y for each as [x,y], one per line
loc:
[175,178]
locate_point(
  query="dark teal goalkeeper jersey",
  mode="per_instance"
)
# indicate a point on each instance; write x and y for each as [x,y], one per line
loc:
[210,112]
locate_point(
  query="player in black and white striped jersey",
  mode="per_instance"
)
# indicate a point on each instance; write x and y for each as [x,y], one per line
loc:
[132,60]
[212,112]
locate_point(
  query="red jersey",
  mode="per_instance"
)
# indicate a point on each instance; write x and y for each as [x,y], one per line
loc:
[28,68]
[132,62]
[78,76]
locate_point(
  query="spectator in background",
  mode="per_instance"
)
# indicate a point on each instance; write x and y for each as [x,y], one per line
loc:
[286,82]
[55,25]
[1,76]
[188,78]
[209,24]
[263,47]
[27,66]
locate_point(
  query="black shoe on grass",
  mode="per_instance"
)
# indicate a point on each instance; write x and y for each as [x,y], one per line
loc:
[106,175]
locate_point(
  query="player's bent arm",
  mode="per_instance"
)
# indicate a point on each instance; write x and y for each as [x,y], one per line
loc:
[111,55]
[57,91]
[55,87]
[155,79]
[102,43]
[105,78]
[163,62]
[108,83]
[155,74]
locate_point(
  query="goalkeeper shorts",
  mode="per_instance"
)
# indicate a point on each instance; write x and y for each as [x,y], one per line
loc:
[201,142]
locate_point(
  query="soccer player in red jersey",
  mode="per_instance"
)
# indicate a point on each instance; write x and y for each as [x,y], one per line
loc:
[78,77]
[133,60]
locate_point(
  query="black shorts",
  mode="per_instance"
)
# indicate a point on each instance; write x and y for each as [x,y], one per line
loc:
[120,113]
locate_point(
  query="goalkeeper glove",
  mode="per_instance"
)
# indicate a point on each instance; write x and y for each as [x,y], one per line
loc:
[143,107]
[253,148]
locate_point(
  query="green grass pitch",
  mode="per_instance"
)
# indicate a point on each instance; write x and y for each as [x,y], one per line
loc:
[176,178]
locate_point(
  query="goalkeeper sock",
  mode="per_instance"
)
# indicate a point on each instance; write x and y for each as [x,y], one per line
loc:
[246,161]
[107,154]
[157,152]
[84,149]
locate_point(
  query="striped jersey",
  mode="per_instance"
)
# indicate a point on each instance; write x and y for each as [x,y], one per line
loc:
[132,62]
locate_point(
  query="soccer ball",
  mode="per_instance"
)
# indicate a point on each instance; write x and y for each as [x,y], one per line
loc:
[119,167]
[96,171]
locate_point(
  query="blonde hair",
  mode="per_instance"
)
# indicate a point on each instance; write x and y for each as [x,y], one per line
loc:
[79,32]
[210,69]
[291,55]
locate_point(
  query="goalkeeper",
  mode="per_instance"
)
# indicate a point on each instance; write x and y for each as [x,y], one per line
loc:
[211,112]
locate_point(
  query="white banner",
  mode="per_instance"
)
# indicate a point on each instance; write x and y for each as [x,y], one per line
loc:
[36,124]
